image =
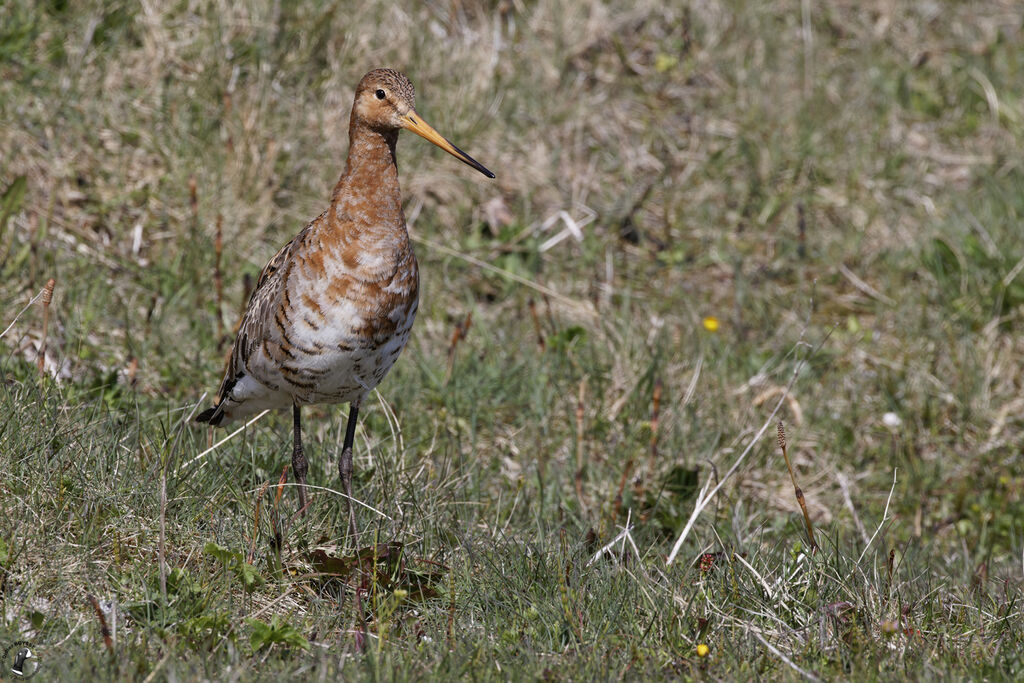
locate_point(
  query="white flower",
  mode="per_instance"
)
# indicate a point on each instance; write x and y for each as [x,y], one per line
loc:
[892,420]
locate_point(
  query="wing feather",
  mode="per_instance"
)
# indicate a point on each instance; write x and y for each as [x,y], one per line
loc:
[252,329]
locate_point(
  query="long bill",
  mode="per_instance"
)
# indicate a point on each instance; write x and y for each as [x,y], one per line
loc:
[414,123]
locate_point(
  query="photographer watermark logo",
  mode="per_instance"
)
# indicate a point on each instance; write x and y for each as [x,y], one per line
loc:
[20,660]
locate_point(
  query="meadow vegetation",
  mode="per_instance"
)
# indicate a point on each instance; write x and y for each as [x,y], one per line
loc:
[704,211]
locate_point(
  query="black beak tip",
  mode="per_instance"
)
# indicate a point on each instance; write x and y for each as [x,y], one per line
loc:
[471,161]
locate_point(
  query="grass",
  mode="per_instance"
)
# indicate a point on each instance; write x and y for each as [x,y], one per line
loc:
[839,189]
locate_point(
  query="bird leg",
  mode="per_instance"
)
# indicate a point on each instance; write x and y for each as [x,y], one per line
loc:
[345,468]
[299,464]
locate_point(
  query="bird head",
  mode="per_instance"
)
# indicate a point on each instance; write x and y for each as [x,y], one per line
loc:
[386,101]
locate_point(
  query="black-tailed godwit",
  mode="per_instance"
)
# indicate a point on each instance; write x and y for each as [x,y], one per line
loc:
[332,310]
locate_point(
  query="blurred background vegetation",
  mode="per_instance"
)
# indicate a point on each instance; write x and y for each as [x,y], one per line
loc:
[702,201]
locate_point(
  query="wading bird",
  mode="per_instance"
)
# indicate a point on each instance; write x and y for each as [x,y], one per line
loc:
[332,310]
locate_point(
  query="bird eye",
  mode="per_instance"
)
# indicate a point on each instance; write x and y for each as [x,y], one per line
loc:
[380,94]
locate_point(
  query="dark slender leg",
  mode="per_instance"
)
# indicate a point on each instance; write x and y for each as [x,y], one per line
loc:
[299,464]
[345,467]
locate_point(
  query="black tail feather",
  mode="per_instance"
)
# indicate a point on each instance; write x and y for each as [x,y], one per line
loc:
[213,416]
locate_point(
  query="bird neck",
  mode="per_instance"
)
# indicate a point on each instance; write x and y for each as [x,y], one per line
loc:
[368,192]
